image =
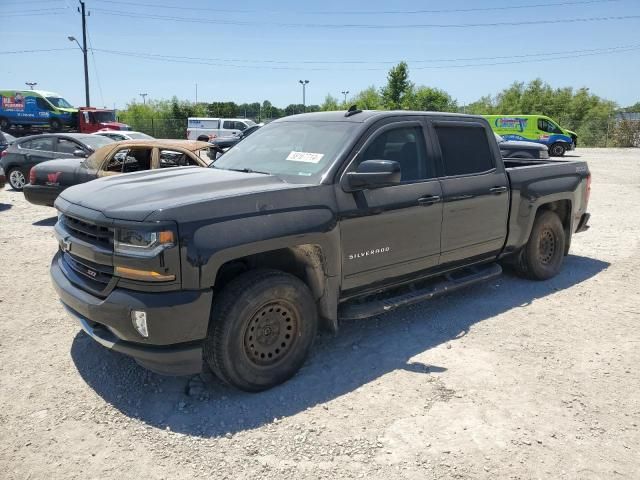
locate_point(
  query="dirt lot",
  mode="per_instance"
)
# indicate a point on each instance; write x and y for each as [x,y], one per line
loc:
[512,379]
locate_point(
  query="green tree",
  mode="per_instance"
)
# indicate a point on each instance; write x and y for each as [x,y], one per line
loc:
[397,88]
[368,99]
[429,99]
[330,103]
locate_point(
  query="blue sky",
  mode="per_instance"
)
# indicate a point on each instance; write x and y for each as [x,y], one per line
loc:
[261,50]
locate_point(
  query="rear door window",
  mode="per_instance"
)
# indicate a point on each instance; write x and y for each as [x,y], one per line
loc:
[173,158]
[228,125]
[465,149]
[44,144]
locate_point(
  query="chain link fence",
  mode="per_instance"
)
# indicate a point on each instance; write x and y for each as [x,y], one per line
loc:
[606,132]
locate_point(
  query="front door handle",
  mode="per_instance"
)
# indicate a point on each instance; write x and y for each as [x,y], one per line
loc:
[429,200]
[498,190]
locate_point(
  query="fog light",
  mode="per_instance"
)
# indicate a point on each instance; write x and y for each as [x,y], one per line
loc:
[139,320]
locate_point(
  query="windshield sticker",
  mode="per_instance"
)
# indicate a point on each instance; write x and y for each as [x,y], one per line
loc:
[306,157]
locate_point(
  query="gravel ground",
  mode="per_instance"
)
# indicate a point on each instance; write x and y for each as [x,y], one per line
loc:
[510,379]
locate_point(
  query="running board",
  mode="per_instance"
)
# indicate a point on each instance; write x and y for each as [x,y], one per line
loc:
[376,304]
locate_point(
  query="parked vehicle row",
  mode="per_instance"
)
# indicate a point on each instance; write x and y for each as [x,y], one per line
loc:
[24,153]
[313,219]
[534,128]
[38,108]
[47,180]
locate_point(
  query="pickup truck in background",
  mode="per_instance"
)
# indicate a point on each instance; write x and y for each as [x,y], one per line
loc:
[205,129]
[312,219]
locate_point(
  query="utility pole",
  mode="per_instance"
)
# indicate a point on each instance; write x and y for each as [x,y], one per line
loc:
[304,94]
[144,97]
[84,53]
[345,93]
[31,84]
[196,93]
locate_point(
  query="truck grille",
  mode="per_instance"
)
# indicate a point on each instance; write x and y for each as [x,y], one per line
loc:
[89,232]
[89,270]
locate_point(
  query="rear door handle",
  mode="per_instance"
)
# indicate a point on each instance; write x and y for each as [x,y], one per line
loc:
[430,200]
[498,190]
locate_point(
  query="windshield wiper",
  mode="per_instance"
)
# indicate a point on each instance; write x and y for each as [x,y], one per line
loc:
[243,170]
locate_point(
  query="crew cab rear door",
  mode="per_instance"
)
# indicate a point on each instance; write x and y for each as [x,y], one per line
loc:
[475,191]
[391,231]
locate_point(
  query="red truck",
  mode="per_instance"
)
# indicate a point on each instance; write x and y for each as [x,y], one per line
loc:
[91,119]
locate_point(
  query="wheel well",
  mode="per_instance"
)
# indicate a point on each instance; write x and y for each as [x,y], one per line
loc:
[563,209]
[307,262]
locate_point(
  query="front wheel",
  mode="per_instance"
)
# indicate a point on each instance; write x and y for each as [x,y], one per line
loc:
[17,180]
[542,256]
[557,150]
[56,125]
[262,327]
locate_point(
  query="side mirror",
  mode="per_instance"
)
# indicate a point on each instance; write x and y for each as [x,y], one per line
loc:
[80,153]
[375,174]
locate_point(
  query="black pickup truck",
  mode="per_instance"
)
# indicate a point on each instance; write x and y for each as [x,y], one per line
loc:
[313,219]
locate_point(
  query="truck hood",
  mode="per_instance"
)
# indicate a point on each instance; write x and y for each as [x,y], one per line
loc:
[135,196]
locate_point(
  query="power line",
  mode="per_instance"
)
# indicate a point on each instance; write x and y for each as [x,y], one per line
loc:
[365,26]
[4,15]
[365,62]
[11,52]
[549,57]
[95,67]
[365,12]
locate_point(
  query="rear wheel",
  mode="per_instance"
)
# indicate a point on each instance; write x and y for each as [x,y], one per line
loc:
[557,149]
[4,124]
[17,180]
[542,256]
[262,327]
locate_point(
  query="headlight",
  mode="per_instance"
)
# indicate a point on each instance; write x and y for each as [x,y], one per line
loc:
[138,243]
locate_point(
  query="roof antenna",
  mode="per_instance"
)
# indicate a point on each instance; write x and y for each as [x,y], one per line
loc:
[353,109]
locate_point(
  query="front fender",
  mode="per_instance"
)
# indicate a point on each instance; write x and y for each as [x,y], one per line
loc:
[213,245]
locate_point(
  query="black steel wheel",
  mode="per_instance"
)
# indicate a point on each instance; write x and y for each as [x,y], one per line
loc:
[557,150]
[261,329]
[542,256]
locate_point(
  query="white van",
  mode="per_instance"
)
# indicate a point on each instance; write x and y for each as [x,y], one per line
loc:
[199,128]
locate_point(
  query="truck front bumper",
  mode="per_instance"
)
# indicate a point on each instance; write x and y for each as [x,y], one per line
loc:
[177,323]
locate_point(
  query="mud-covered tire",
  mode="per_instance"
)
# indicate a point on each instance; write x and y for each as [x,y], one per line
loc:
[261,329]
[542,256]
[557,150]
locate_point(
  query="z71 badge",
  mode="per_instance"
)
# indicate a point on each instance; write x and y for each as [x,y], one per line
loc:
[367,253]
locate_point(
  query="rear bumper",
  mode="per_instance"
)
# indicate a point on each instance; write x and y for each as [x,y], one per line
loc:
[41,194]
[177,323]
[583,223]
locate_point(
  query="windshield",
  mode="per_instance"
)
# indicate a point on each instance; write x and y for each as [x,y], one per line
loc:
[59,102]
[138,136]
[302,149]
[9,138]
[103,117]
[499,139]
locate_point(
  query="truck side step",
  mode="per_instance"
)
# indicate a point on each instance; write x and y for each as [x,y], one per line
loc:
[376,304]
